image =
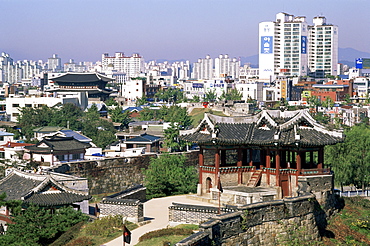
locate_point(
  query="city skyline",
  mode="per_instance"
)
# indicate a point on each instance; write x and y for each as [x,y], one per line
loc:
[160,29]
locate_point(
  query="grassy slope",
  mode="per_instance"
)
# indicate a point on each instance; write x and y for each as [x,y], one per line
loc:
[351,226]
[197,114]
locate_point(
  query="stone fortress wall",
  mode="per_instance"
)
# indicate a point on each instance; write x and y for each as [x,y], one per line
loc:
[266,223]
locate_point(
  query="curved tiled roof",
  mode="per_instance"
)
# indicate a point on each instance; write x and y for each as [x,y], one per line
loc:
[41,190]
[57,143]
[55,199]
[266,128]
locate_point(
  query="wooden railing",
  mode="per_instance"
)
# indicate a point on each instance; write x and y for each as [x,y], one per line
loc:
[229,169]
[317,171]
[290,171]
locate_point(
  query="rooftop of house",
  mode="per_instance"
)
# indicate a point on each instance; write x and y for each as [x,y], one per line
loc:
[39,189]
[144,138]
[57,143]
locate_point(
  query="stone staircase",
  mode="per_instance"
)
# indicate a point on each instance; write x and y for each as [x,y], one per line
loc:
[256,176]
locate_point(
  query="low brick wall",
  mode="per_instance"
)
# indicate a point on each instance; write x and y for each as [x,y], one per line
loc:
[117,173]
[127,203]
[191,214]
[137,192]
[131,209]
[266,223]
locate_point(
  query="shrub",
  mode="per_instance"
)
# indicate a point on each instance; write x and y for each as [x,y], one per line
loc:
[165,232]
[81,241]
[105,226]
[68,235]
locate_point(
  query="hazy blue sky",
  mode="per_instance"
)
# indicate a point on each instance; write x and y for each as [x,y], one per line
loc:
[161,29]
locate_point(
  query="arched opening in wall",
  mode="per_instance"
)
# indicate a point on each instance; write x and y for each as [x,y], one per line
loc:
[208,185]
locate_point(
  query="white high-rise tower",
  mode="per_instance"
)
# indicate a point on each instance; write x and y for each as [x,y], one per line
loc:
[283,46]
[323,48]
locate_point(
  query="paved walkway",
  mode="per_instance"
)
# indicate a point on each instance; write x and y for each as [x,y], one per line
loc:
[155,210]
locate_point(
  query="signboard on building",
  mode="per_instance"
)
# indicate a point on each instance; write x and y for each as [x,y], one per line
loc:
[197,85]
[366,63]
[303,45]
[266,44]
[359,63]
[306,94]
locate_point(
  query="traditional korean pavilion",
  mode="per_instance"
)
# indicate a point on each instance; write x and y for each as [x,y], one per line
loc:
[92,83]
[271,149]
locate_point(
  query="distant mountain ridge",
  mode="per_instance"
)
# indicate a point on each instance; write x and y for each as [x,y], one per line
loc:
[346,56]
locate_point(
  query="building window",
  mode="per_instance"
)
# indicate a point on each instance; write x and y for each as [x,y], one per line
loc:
[15,105]
[75,156]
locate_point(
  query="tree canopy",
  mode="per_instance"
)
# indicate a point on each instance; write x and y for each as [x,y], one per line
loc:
[172,140]
[210,96]
[350,160]
[167,175]
[39,226]
[174,113]
[233,94]
[170,95]
[70,116]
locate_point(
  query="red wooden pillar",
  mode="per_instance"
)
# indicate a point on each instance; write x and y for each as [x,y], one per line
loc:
[277,157]
[201,164]
[268,165]
[217,163]
[299,164]
[239,165]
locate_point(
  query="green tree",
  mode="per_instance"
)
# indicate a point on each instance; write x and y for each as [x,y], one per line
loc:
[210,96]
[167,175]
[117,116]
[30,118]
[233,94]
[39,226]
[350,160]
[111,102]
[177,114]
[196,99]
[347,99]
[141,101]
[328,103]
[172,140]
[170,95]
[101,131]
[67,115]
[173,114]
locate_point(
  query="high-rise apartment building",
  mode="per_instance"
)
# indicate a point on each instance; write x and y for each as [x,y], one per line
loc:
[323,48]
[55,63]
[132,66]
[224,66]
[203,69]
[283,46]
[289,46]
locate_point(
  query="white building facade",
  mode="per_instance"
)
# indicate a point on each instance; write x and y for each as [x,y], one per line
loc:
[323,48]
[132,66]
[283,47]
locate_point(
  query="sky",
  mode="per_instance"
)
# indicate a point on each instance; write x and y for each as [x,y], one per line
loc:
[161,29]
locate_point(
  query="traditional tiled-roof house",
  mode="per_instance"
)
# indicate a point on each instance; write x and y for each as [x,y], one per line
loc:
[91,83]
[45,190]
[55,150]
[274,148]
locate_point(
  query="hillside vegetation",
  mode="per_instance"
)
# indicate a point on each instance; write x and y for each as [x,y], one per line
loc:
[351,226]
